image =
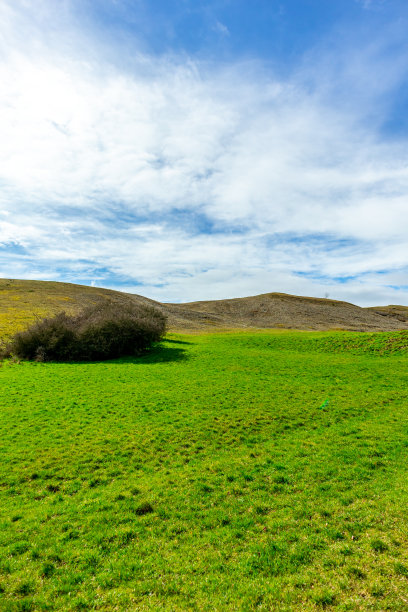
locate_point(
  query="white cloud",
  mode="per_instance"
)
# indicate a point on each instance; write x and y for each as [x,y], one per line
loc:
[370,4]
[85,142]
[221,28]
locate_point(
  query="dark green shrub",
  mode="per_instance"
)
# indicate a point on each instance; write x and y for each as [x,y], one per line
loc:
[108,330]
[52,338]
[104,331]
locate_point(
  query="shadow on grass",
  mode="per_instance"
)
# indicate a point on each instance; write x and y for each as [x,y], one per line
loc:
[168,340]
[158,354]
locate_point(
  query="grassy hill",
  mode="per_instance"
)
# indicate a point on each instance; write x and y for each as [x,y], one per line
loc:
[22,301]
[239,471]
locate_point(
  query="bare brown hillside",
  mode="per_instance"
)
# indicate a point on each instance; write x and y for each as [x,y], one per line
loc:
[280,310]
[23,301]
[397,312]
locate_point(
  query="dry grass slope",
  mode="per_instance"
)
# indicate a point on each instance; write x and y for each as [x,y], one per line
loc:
[22,301]
[398,312]
[279,310]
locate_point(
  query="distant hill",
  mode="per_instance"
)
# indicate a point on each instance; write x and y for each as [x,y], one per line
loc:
[22,301]
[280,310]
[398,312]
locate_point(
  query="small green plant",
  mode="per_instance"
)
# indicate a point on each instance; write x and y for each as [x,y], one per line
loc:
[379,546]
[401,569]
[24,588]
[47,570]
[356,572]
[325,599]
[144,508]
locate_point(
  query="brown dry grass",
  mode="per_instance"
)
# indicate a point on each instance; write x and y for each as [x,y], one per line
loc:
[280,310]
[397,312]
[23,301]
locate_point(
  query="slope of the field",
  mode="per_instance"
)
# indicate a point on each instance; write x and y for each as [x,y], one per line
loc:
[246,471]
[23,301]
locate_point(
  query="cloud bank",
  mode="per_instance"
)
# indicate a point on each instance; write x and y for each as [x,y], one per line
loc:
[182,180]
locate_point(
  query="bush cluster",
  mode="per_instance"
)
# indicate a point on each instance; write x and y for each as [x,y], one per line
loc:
[103,331]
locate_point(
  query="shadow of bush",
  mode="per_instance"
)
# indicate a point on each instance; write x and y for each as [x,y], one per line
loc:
[159,354]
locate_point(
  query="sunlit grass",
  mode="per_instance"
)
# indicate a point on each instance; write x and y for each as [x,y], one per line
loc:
[22,301]
[210,474]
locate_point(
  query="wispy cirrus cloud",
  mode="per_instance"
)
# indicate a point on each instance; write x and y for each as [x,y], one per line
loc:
[190,180]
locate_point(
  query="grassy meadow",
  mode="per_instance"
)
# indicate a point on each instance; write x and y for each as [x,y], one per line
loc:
[234,471]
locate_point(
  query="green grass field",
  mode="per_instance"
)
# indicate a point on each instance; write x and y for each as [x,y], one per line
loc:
[250,471]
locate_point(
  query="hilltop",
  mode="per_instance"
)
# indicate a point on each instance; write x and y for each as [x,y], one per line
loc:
[280,310]
[22,301]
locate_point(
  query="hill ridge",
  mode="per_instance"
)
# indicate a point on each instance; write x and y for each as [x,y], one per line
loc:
[22,301]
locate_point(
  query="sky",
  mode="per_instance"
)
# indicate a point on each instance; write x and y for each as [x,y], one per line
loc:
[206,149]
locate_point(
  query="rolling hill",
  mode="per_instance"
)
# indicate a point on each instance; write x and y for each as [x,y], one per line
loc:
[22,301]
[280,310]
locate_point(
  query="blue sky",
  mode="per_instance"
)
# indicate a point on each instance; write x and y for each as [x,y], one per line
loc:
[191,150]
